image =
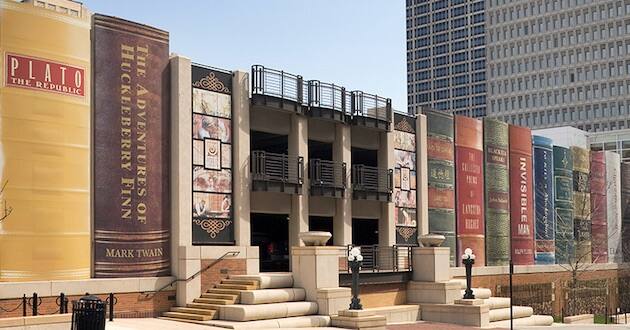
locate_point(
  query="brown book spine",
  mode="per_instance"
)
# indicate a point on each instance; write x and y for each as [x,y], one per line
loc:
[599,208]
[469,187]
[131,149]
[521,195]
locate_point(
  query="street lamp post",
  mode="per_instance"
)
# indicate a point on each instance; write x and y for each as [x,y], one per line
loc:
[468,259]
[354,259]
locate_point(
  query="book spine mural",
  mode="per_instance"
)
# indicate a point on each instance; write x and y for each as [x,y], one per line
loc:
[45,143]
[545,225]
[613,202]
[441,177]
[599,208]
[497,192]
[131,142]
[469,199]
[582,204]
[563,203]
[625,211]
[212,221]
[405,180]
[521,196]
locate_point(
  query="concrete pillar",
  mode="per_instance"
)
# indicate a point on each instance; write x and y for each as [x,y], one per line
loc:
[422,177]
[342,220]
[298,146]
[241,157]
[181,184]
[386,225]
[314,268]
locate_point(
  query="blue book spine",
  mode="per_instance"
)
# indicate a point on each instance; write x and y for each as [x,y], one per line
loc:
[544,229]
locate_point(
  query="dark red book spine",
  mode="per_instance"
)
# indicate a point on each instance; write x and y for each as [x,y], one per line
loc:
[599,203]
[521,196]
[469,188]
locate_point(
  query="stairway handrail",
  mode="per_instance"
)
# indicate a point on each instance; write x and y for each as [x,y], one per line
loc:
[230,253]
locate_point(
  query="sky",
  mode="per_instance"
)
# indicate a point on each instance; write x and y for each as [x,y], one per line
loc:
[359,44]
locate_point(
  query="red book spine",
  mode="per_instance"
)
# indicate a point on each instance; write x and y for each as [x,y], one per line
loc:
[469,188]
[599,224]
[521,196]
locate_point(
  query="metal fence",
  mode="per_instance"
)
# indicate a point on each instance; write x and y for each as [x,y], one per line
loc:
[315,93]
[272,167]
[326,173]
[396,258]
[369,178]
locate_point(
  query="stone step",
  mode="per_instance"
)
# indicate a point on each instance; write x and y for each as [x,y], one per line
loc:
[309,321]
[268,296]
[504,313]
[180,320]
[460,281]
[236,286]
[190,310]
[497,302]
[267,311]
[231,299]
[233,292]
[240,282]
[534,320]
[203,306]
[269,280]
[212,301]
[187,316]
[480,293]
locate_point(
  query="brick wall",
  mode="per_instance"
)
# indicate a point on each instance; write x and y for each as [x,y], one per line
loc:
[223,269]
[128,305]
[379,295]
[554,303]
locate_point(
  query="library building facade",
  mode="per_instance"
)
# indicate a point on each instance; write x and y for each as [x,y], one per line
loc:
[193,192]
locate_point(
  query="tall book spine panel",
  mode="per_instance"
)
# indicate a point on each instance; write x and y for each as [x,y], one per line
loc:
[521,195]
[497,194]
[599,206]
[625,209]
[545,225]
[441,182]
[563,202]
[131,104]
[582,205]
[613,200]
[469,187]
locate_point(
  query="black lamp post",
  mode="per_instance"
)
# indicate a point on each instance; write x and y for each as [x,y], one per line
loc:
[354,260]
[468,259]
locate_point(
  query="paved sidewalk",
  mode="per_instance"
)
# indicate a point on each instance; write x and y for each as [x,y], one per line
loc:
[421,325]
[155,324]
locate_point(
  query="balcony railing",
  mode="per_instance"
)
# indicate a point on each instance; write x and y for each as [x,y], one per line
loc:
[372,182]
[396,258]
[322,99]
[327,178]
[276,172]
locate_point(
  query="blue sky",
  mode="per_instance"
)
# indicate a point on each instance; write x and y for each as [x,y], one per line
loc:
[359,44]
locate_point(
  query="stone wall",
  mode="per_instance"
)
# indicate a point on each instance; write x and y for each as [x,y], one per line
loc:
[379,295]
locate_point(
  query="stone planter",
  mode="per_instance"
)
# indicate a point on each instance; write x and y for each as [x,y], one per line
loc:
[432,240]
[315,238]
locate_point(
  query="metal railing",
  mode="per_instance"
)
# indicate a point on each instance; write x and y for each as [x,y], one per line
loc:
[314,93]
[396,258]
[326,173]
[277,83]
[368,178]
[272,167]
[371,106]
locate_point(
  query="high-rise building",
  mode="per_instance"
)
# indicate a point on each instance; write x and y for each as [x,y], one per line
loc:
[548,63]
[446,56]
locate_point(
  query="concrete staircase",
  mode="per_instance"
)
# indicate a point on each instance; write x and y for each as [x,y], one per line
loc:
[500,310]
[268,300]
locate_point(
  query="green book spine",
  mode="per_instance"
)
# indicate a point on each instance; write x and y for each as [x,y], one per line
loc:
[582,204]
[563,203]
[440,165]
[496,143]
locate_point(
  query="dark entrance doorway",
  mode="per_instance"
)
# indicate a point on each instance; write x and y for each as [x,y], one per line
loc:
[270,232]
[274,143]
[316,223]
[364,231]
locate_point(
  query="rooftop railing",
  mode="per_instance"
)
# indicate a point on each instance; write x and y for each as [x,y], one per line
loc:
[318,94]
